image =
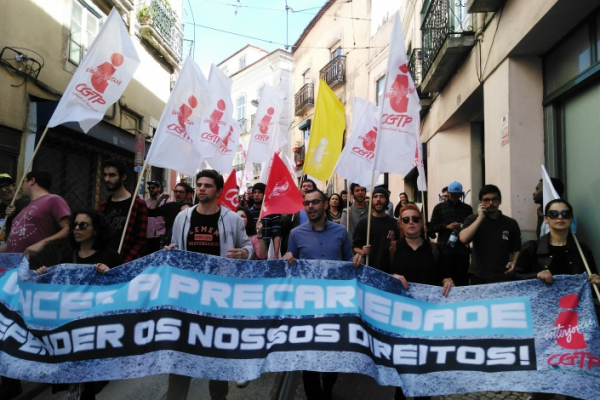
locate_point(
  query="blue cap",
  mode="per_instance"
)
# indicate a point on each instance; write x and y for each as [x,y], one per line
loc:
[455,187]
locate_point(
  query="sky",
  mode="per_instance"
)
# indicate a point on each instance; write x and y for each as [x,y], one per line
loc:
[261,19]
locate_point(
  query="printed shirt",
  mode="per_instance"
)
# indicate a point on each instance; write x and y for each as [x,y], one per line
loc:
[203,235]
[135,236]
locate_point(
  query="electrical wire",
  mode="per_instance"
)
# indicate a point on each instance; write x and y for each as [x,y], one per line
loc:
[281,44]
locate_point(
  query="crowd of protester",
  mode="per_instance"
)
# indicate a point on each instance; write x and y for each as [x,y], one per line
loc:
[484,247]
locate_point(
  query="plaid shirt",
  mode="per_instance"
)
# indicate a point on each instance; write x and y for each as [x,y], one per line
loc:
[271,224]
[445,213]
[135,236]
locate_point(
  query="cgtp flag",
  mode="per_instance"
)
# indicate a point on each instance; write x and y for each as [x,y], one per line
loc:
[399,121]
[101,78]
[217,119]
[178,129]
[260,147]
[226,150]
[281,194]
[229,196]
[325,144]
[356,162]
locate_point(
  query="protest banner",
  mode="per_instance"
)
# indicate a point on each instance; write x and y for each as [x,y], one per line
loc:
[225,319]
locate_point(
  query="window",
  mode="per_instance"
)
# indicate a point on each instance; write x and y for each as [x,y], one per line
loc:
[335,53]
[84,27]
[379,89]
[241,109]
[242,62]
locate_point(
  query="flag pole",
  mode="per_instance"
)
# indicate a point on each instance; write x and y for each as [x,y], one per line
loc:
[369,215]
[133,198]
[587,267]
[14,199]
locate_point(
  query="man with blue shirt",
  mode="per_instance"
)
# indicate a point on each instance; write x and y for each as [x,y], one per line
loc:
[318,239]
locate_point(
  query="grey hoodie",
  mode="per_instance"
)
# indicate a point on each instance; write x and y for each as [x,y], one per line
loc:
[232,233]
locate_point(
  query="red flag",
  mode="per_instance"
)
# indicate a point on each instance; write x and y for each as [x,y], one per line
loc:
[229,196]
[281,195]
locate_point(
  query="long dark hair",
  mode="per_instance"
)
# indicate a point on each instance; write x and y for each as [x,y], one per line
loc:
[250,225]
[102,229]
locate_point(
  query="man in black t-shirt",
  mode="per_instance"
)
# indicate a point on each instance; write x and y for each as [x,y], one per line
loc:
[384,230]
[208,229]
[496,239]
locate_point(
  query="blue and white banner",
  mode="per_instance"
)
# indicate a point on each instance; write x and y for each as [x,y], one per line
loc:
[216,318]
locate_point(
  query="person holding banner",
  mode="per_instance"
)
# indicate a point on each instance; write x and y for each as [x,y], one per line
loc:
[209,229]
[555,253]
[318,239]
[417,260]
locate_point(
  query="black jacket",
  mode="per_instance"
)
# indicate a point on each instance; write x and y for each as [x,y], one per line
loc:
[535,256]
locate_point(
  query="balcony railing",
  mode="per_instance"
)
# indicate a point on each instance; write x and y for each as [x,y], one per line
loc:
[304,98]
[161,27]
[443,19]
[415,65]
[252,117]
[123,6]
[334,72]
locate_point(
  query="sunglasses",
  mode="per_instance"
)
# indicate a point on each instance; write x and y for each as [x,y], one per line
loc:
[81,225]
[415,219]
[313,202]
[179,191]
[490,199]
[553,214]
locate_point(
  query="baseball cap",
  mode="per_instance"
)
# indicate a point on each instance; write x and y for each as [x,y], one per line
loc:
[155,183]
[6,178]
[455,187]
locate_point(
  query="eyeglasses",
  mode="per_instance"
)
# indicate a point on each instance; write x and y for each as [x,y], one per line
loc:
[313,202]
[488,200]
[554,214]
[81,225]
[415,218]
[179,191]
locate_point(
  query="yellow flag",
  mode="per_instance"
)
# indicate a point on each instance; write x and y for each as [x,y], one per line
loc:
[325,143]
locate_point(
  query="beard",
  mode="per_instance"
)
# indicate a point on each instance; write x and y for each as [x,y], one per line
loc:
[114,187]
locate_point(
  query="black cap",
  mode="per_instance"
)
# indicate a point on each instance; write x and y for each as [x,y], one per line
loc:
[155,183]
[260,187]
[6,178]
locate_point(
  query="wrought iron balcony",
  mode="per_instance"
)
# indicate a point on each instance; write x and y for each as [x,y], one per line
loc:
[252,117]
[415,65]
[447,37]
[334,72]
[239,167]
[161,28]
[304,98]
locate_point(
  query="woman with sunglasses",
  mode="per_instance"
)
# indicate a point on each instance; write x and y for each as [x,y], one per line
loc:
[417,260]
[89,235]
[555,253]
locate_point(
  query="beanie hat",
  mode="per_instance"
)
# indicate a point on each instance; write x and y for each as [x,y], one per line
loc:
[260,187]
[383,191]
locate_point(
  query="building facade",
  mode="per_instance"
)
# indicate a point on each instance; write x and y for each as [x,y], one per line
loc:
[250,68]
[42,44]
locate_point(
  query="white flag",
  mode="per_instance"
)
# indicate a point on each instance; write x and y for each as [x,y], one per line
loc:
[260,148]
[549,194]
[226,150]
[178,128]
[421,180]
[216,120]
[399,122]
[101,78]
[356,161]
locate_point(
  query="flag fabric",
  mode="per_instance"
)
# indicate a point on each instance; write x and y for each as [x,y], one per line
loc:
[179,126]
[356,162]
[217,118]
[225,152]
[549,194]
[421,180]
[281,194]
[260,147]
[101,78]
[325,144]
[399,121]
[229,196]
